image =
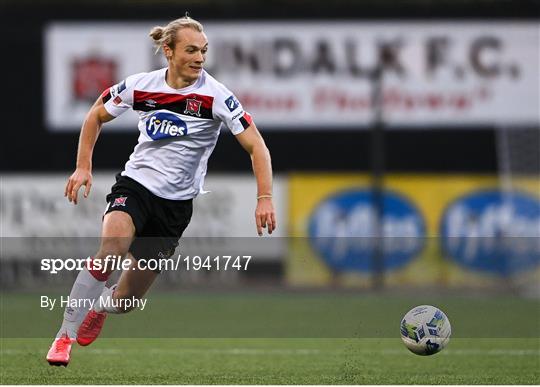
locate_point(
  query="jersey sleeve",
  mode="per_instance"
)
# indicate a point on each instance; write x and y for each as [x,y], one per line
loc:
[228,109]
[119,98]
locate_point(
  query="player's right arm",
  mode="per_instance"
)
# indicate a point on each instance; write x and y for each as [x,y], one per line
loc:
[96,117]
[114,101]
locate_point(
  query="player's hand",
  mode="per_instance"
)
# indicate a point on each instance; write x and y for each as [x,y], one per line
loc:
[80,177]
[265,216]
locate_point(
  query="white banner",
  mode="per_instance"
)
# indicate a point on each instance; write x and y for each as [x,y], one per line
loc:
[34,205]
[318,74]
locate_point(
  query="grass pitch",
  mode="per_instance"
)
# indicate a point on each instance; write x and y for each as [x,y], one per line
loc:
[283,338]
[273,361]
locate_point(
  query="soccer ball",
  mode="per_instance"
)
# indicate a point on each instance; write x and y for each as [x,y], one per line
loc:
[425,330]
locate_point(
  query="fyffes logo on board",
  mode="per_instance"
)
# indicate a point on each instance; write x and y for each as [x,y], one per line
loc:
[342,230]
[163,125]
[493,231]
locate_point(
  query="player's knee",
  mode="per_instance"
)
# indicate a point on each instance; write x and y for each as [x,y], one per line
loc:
[106,259]
[108,254]
[112,248]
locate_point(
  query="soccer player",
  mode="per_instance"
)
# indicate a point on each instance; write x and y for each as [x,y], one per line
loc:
[181,110]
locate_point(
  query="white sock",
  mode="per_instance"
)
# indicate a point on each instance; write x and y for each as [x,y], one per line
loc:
[105,302]
[87,288]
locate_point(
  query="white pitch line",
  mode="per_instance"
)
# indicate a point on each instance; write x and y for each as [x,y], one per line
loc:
[243,351]
[285,351]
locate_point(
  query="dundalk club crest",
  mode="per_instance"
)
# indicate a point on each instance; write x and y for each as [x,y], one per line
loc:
[121,201]
[193,107]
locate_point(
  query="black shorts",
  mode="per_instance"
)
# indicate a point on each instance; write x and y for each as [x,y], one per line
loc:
[159,223]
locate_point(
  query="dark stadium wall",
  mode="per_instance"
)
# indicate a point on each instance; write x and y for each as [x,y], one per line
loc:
[28,146]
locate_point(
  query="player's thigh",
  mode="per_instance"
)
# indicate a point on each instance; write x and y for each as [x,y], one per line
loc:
[118,224]
[135,281]
[127,209]
[117,233]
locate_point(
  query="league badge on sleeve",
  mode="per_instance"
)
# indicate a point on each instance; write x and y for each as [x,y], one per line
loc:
[232,103]
[118,88]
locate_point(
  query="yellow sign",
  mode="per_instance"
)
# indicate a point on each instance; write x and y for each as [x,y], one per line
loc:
[420,203]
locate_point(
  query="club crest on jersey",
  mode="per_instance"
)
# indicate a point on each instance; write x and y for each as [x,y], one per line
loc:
[193,107]
[121,201]
[232,103]
[163,125]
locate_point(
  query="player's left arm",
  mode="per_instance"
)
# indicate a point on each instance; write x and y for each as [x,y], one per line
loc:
[252,141]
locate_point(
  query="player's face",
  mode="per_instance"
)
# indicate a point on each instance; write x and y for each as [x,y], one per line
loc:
[189,53]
